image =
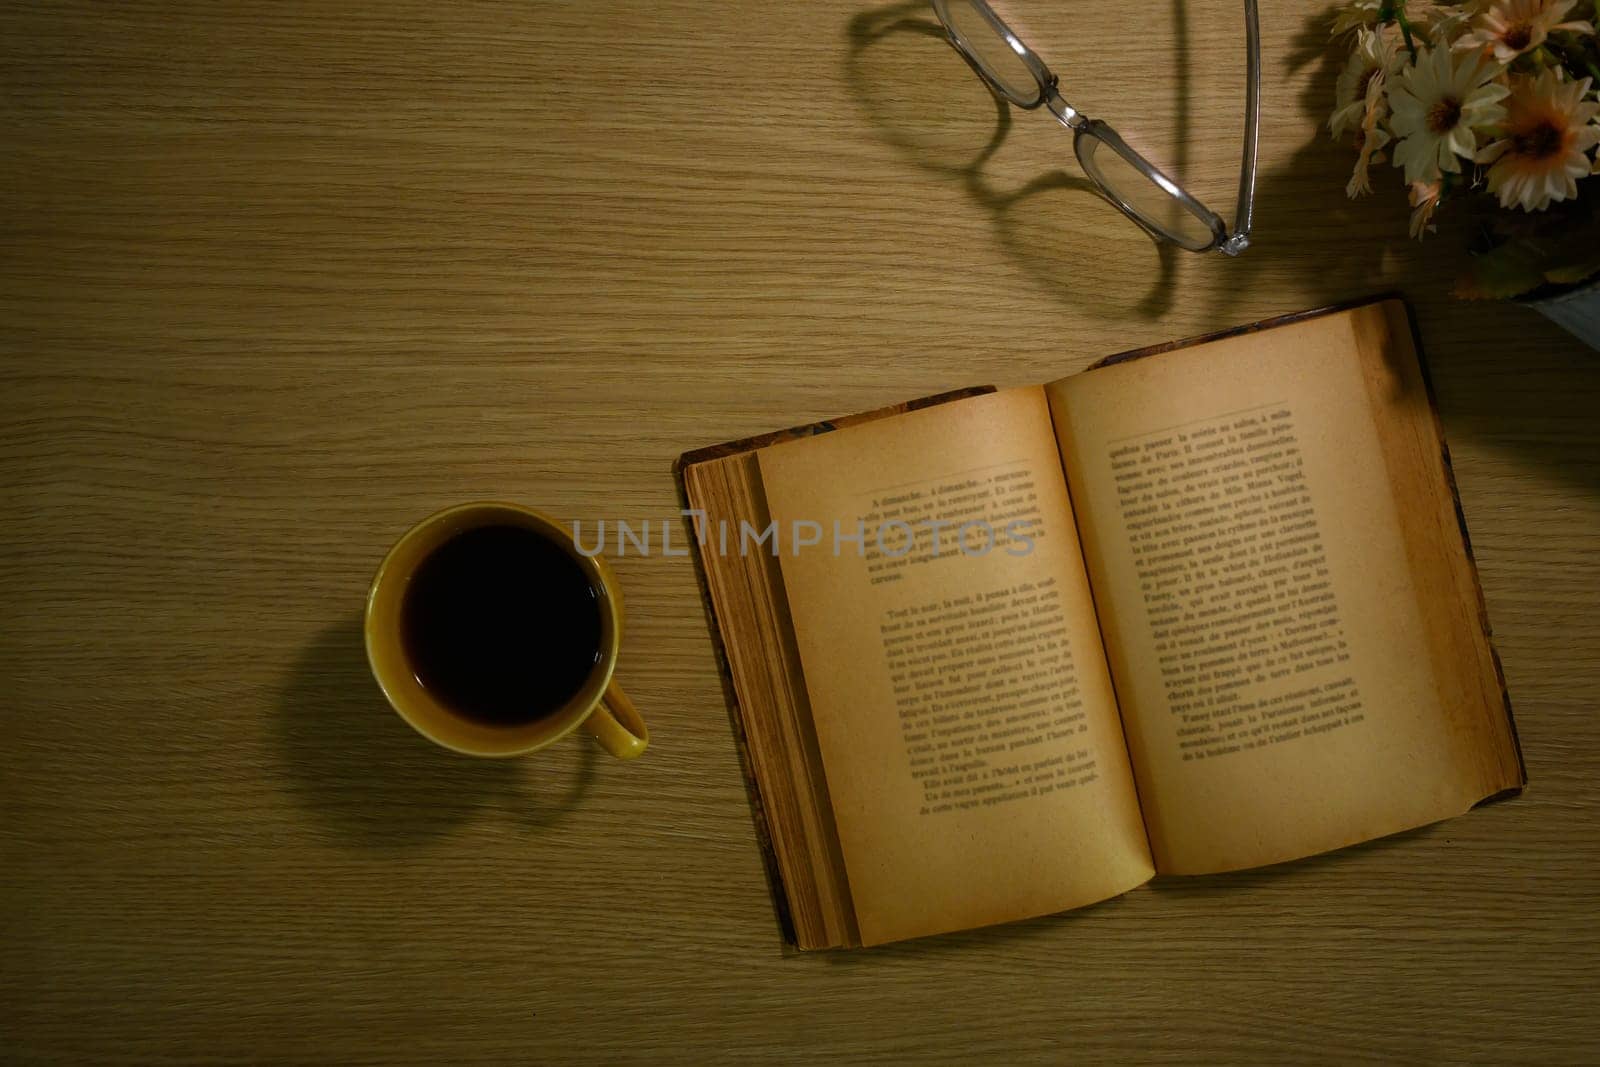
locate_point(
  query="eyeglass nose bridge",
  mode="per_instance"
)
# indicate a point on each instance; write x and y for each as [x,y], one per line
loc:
[1065,113]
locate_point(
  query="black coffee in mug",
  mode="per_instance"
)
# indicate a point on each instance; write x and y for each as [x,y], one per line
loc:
[501,625]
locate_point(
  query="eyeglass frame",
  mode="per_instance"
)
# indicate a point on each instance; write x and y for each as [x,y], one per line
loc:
[1049,96]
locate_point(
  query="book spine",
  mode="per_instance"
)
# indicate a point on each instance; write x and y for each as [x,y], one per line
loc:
[758,810]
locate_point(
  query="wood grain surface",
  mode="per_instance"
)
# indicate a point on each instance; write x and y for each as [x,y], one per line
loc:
[277,279]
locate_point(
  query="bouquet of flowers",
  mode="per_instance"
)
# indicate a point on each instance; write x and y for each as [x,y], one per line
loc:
[1492,104]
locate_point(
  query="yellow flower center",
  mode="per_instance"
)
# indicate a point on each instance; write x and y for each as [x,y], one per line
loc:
[1443,116]
[1539,142]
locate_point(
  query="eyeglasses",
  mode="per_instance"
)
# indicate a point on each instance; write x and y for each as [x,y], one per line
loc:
[1159,205]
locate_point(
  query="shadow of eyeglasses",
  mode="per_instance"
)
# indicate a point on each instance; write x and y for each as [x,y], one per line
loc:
[943,126]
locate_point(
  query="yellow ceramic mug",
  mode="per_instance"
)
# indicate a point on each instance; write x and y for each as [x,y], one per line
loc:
[600,706]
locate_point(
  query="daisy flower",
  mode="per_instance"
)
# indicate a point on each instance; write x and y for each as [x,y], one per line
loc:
[1438,105]
[1424,15]
[1356,14]
[1544,143]
[1506,29]
[1360,86]
[1445,23]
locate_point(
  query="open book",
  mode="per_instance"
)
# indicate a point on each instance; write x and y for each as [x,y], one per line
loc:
[1199,608]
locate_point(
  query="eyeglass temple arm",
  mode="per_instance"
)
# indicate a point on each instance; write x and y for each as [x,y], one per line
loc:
[1243,215]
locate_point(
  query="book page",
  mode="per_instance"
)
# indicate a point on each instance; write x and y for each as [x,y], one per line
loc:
[1284,683]
[794,819]
[958,687]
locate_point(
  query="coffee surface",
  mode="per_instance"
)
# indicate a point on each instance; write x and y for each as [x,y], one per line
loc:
[501,625]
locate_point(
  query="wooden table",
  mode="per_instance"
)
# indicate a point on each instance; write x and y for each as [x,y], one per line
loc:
[278,279]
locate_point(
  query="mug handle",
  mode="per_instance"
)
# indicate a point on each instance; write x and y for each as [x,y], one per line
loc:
[616,724]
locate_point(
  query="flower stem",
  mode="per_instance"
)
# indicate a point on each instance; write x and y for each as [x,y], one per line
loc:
[1570,52]
[1395,11]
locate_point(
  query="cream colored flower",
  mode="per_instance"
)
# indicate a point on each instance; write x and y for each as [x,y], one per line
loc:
[1437,106]
[1446,22]
[1360,87]
[1424,197]
[1506,29]
[1544,145]
[1428,19]
[1356,14]
[1369,139]
[1424,15]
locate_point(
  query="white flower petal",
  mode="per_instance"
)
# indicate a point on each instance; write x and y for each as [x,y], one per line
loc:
[1491,151]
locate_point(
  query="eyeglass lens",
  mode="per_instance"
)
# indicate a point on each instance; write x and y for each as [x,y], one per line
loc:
[992,51]
[1105,161]
[1156,207]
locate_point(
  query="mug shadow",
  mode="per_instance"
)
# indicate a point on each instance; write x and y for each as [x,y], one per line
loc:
[371,781]
[952,127]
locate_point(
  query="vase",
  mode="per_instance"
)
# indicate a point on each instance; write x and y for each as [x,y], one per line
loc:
[1577,311]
